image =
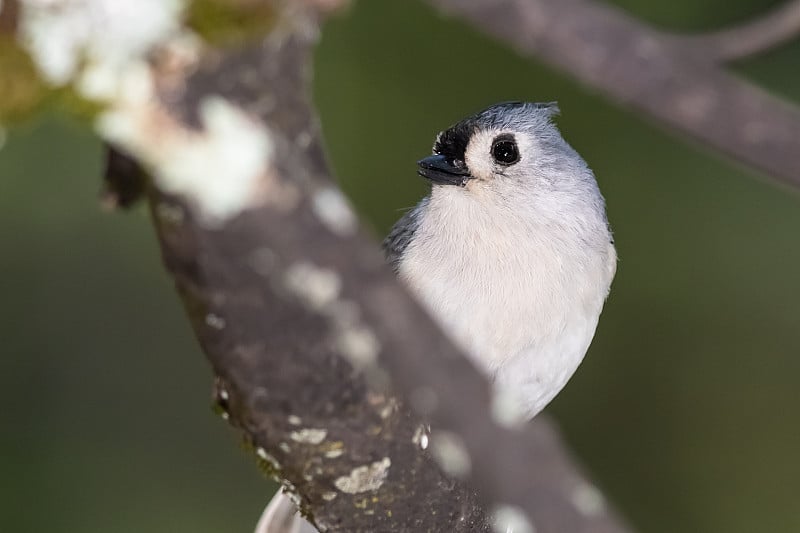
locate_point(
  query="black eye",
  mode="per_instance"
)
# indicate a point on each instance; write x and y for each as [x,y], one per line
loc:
[504,151]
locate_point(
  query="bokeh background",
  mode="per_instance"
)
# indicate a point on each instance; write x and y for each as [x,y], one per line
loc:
[686,411]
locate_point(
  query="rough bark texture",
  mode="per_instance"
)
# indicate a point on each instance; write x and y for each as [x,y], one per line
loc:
[284,383]
[282,379]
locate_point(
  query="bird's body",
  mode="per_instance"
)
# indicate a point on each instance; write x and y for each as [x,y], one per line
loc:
[515,267]
[511,251]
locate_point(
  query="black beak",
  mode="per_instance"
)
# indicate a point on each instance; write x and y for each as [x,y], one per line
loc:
[439,170]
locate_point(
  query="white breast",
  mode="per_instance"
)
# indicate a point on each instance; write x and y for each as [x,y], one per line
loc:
[519,294]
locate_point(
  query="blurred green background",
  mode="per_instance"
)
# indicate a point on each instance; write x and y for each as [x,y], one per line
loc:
[686,412]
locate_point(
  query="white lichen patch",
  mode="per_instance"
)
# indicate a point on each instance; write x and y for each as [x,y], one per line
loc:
[320,289]
[285,448]
[331,207]
[102,35]
[450,452]
[294,420]
[103,49]
[511,519]
[309,435]
[333,454]
[421,436]
[176,56]
[365,478]
[262,453]
[291,493]
[329,496]
[317,287]
[359,345]
[215,321]
[508,409]
[588,500]
[221,169]
[390,407]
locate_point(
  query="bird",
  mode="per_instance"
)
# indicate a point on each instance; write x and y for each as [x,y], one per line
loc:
[511,253]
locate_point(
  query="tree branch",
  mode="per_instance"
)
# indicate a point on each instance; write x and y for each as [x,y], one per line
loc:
[649,72]
[308,329]
[774,28]
[263,294]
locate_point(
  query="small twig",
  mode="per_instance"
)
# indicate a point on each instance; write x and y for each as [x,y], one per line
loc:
[753,37]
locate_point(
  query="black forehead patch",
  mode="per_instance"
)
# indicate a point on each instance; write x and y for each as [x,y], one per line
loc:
[452,142]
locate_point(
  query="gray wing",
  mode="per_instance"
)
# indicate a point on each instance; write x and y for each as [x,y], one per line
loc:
[401,235]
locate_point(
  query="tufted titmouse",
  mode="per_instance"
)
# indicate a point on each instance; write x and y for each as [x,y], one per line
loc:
[511,253]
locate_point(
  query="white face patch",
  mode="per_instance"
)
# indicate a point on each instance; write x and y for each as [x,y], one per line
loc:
[478,155]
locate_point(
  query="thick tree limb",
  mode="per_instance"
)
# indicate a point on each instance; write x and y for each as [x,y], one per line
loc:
[307,329]
[311,417]
[650,72]
[776,27]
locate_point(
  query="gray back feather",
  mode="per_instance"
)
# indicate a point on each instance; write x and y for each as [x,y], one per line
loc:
[395,244]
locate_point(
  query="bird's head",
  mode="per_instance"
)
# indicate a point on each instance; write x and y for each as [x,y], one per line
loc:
[508,150]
